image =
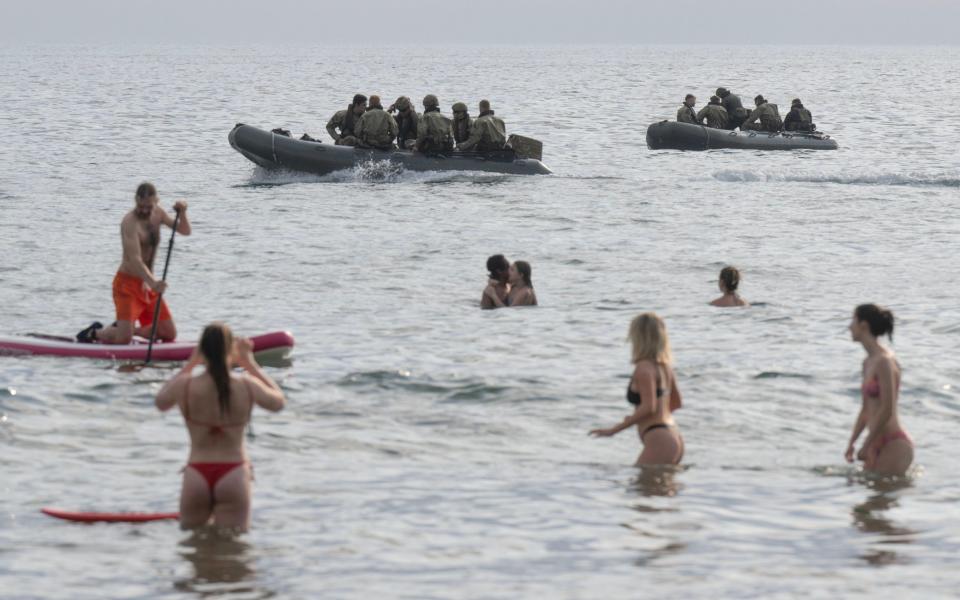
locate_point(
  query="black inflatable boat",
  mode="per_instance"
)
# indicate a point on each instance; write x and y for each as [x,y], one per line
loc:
[686,136]
[278,151]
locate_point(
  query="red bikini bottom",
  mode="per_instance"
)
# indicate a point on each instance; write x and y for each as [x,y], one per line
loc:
[213,472]
[886,439]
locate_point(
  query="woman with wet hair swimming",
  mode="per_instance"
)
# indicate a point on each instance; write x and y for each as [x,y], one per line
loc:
[216,407]
[495,294]
[654,394]
[888,450]
[728,283]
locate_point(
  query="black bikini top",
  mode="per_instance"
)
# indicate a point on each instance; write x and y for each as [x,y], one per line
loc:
[634,398]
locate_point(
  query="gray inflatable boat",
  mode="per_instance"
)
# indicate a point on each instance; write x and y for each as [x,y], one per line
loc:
[277,151]
[687,136]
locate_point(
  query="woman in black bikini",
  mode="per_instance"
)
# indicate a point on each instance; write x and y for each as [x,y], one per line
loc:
[216,407]
[654,394]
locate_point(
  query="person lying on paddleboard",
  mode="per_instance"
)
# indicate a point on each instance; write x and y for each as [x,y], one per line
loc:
[216,407]
[135,288]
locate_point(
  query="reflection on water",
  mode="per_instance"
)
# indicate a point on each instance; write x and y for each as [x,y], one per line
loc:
[222,565]
[656,482]
[869,517]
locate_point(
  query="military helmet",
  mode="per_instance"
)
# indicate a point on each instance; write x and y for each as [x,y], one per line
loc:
[459,107]
[722,91]
[796,102]
[402,103]
[714,99]
[759,99]
[430,101]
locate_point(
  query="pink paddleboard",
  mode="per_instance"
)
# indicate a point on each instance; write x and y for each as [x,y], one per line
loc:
[104,517]
[276,343]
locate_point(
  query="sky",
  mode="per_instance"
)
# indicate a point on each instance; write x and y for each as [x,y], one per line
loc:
[371,22]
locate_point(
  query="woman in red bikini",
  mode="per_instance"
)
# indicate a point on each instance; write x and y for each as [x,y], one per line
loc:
[654,394]
[216,406]
[888,450]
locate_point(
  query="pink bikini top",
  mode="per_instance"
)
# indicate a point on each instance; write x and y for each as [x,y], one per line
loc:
[871,389]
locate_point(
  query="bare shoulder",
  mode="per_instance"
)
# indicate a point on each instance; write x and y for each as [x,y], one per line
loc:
[888,362]
[128,221]
[644,368]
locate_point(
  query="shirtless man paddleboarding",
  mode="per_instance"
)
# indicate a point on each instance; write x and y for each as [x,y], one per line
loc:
[135,288]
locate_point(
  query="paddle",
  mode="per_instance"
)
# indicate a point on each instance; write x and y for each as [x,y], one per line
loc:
[156,309]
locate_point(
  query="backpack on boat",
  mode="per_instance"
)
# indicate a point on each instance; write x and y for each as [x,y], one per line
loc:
[525,147]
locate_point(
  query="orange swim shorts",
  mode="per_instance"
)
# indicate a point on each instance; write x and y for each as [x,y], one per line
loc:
[136,302]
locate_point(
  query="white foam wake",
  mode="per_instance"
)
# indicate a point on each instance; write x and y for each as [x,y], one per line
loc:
[866,178]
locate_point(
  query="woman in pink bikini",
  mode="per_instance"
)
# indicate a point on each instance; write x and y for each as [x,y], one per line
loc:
[653,393]
[888,450]
[216,407]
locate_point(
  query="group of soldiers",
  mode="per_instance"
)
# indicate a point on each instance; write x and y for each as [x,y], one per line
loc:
[368,125]
[725,111]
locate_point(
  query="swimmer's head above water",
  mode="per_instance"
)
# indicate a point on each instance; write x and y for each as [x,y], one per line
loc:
[520,271]
[498,267]
[729,280]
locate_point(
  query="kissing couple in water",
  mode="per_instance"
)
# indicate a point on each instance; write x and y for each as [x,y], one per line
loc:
[509,285]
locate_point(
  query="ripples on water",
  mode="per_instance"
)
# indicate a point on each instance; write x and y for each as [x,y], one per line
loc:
[433,450]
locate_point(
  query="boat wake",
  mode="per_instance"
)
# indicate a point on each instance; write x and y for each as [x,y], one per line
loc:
[382,171]
[894,179]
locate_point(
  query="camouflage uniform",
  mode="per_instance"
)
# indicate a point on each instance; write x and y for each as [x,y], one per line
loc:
[407,120]
[346,122]
[487,134]
[687,115]
[376,129]
[798,119]
[435,133]
[461,123]
[768,117]
[716,116]
[736,113]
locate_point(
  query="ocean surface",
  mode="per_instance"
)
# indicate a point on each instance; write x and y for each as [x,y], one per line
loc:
[433,450]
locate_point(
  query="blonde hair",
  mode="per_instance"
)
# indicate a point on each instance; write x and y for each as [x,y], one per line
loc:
[649,337]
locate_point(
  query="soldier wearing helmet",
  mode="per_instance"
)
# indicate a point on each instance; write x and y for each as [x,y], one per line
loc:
[461,122]
[714,113]
[407,121]
[346,120]
[376,128]
[488,134]
[734,107]
[435,134]
[799,118]
[765,117]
